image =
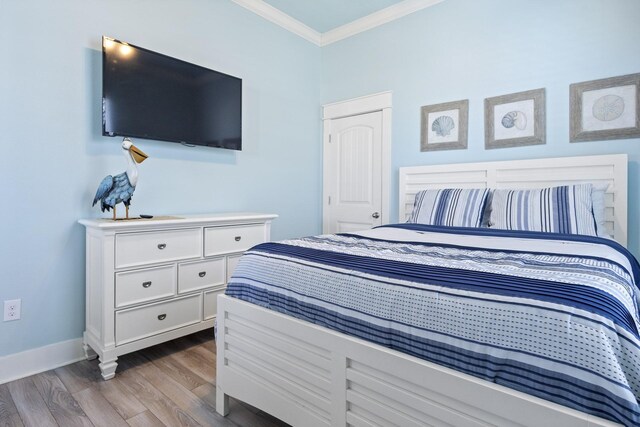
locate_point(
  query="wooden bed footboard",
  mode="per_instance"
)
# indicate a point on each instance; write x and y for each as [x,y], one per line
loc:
[307,375]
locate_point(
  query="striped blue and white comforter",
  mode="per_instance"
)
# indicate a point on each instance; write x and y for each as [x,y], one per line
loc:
[551,315]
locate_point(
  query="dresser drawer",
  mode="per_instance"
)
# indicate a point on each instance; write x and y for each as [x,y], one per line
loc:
[135,287]
[135,249]
[211,303]
[142,322]
[232,261]
[219,240]
[202,274]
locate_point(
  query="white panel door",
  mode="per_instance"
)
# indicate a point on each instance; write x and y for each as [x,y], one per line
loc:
[353,173]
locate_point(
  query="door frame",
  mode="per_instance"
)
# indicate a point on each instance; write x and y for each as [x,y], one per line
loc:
[354,107]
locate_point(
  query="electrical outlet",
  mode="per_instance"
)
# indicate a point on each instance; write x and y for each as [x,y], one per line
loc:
[12,310]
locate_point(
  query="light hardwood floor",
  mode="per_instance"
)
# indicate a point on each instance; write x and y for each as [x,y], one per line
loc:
[171,384]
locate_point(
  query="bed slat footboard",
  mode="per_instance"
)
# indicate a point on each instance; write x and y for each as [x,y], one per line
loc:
[307,375]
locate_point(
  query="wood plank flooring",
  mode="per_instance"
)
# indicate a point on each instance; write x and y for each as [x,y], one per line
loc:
[171,384]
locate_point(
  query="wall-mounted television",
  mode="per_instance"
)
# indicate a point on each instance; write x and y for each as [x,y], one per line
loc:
[149,95]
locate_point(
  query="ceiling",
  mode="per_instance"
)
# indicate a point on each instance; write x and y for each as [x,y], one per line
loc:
[325,15]
[323,22]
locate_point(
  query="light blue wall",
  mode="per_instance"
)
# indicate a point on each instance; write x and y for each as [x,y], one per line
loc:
[54,155]
[470,49]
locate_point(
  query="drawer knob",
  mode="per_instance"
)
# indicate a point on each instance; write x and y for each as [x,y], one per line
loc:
[202,273]
[162,317]
[146,284]
[238,238]
[161,246]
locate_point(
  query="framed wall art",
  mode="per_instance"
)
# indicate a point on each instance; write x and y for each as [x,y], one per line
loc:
[444,126]
[605,109]
[515,120]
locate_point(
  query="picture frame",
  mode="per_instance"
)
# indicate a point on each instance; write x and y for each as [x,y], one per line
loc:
[605,109]
[444,126]
[515,120]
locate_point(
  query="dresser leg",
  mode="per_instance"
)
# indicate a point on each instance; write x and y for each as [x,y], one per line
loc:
[88,352]
[222,402]
[108,368]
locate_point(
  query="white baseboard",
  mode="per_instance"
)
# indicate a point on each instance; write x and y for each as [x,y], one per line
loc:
[31,362]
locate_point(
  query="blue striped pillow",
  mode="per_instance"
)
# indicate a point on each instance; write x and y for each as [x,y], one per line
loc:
[453,207]
[567,210]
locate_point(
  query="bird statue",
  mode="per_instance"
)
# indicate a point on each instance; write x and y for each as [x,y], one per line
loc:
[120,188]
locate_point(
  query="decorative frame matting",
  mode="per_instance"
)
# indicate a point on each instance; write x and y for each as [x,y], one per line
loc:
[605,109]
[444,126]
[515,120]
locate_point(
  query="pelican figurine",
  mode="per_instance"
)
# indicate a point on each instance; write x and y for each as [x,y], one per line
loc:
[120,188]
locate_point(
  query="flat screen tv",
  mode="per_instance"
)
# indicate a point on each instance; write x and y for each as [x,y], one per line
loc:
[153,96]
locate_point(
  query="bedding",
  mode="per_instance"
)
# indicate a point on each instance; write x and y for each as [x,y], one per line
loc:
[566,209]
[551,315]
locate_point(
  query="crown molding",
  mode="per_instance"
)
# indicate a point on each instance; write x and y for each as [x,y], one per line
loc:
[280,18]
[383,16]
[376,19]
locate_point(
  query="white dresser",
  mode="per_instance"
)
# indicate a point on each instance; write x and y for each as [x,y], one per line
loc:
[150,281]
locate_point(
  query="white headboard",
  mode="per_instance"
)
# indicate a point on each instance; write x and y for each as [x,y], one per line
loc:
[535,173]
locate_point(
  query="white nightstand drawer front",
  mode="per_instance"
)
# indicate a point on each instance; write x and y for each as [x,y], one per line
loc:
[232,262]
[211,303]
[193,276]
[135,249]
[220,240]
[135,287]
[142,322]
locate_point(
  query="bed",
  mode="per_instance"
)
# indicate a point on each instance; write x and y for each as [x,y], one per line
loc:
[385,327]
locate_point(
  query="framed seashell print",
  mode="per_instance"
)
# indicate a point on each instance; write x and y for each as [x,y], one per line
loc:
[515,120]
[444,126]
[605,109]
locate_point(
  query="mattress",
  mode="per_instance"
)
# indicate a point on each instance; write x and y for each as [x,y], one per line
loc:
[551,315]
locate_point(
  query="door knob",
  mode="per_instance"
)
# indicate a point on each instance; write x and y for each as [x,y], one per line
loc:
[376,215]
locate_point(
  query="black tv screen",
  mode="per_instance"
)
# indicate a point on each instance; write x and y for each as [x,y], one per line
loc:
[153,96]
